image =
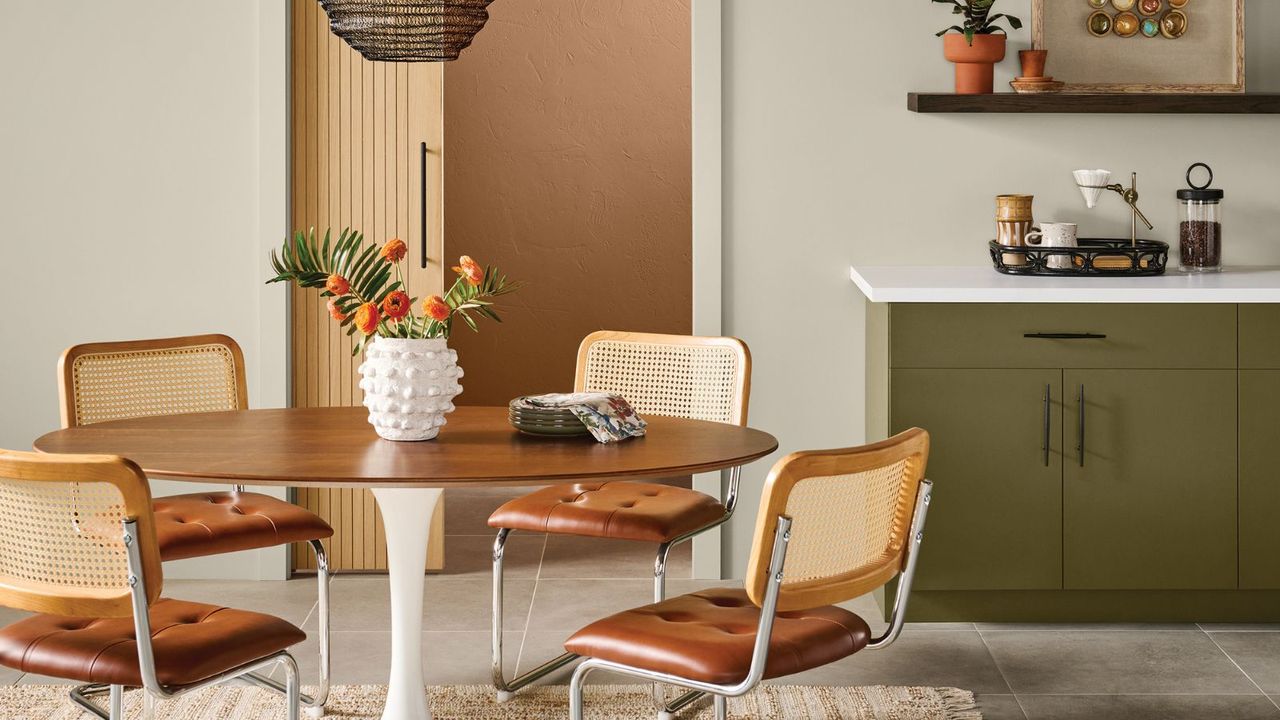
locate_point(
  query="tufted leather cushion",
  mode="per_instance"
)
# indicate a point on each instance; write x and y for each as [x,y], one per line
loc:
[645,512]
[709,636]
[204,524]
[192,642]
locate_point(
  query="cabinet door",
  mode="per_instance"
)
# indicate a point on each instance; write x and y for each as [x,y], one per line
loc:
[1259,479]
[1149,501]
[996,518]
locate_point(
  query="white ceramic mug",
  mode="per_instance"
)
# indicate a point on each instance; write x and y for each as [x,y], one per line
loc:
[1057,235]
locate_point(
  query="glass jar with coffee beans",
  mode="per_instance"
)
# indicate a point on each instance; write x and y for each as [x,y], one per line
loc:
[1200,229]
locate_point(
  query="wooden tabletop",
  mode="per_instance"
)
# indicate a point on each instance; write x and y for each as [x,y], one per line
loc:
[336,447]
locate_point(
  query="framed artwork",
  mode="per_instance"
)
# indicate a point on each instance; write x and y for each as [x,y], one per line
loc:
[1142,46]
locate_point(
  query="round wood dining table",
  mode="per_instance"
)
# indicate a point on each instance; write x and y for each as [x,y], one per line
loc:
[336,447]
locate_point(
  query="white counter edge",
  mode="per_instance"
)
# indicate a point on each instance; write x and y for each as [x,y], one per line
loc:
[1171,288]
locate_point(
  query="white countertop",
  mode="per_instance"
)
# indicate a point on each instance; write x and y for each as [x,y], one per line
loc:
[985,285]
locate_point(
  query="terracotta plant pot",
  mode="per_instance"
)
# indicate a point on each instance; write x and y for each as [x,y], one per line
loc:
[975,64]
[1033,62]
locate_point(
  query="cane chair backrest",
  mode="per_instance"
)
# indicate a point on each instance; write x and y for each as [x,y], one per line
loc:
[851,513]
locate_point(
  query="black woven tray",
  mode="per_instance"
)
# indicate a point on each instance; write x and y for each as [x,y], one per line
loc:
[1095,256]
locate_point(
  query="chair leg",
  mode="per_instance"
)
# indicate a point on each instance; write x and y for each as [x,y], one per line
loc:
[575,690]
[149,706]
[722,707]
[81,694]
[660,573]
[507,689]
[660,594]
[293,687]
[116,703]
[499,678]
[667,709]
[315,707]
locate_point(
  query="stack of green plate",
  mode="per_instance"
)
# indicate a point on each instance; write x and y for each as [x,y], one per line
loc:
[560,422]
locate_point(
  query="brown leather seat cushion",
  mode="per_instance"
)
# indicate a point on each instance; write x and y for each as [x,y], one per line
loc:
[709,636]
[204,524]
[645,512]
[192,642]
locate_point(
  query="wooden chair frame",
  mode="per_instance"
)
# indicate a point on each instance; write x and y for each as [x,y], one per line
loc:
[144,585]
[765,585]
[742,390]
[911,446]
[67,397]
[66,365]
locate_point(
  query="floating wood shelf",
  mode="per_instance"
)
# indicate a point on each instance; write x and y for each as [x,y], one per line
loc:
[1008,102]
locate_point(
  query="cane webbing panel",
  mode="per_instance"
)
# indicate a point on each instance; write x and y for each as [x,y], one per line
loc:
[62,535]
[164,381]
[699,382]
[845,523]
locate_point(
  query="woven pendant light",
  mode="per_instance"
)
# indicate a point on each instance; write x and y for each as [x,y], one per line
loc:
[407,30]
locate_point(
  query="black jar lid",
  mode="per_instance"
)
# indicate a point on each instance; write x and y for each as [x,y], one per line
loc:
[1200,193]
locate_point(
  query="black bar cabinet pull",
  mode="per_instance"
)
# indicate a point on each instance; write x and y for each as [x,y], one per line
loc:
[1046,425]
[1080,442]
[422,206]
[1065,336]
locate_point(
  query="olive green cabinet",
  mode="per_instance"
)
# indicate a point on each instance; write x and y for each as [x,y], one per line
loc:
[1148,486]
[1260,447]
[1149,496]
[1260,478]
[989,430]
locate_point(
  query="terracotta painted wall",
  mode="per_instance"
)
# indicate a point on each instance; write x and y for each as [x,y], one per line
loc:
[568,132]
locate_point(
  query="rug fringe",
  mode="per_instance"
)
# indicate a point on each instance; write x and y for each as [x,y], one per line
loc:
[959,704]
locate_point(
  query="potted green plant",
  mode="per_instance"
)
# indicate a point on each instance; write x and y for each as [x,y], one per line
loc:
[976,45]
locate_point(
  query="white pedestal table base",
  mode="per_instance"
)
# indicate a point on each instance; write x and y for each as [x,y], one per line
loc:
[406,516]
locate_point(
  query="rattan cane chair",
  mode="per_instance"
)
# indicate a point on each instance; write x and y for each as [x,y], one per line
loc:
[78,545]
[106,381]
[702,378]
[844,522]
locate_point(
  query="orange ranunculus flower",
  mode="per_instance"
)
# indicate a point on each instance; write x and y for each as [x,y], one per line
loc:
[334,312]
[394,251]
[337,285]
[395,305]
[469,269]
[436,308]
[367,318]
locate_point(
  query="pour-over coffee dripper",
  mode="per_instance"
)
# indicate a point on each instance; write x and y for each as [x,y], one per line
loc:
[1093,182]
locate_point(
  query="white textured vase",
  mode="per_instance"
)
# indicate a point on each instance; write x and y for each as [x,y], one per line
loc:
[409,386]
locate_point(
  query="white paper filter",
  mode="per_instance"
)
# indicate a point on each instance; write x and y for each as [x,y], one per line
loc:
[1098,179]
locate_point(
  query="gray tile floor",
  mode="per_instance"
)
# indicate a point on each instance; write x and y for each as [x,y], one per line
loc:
[1130,672]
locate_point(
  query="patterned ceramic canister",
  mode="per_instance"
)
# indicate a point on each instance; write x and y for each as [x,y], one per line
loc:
[1013,222]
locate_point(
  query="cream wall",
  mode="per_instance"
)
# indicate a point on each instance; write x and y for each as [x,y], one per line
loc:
[142,160]
[825,167]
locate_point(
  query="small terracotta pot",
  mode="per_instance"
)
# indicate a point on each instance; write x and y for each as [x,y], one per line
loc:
[975,64]
[1033,62]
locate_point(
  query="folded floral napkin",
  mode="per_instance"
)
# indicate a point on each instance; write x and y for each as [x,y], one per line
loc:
[607,416]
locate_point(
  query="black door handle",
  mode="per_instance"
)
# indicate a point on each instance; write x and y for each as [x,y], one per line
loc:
[1080,442]
[422,206]
[1046,424]
[1065,336]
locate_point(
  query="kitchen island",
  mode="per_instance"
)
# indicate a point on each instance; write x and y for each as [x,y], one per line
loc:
[1103,448]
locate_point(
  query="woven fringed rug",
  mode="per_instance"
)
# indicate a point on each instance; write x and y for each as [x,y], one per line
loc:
[474,702]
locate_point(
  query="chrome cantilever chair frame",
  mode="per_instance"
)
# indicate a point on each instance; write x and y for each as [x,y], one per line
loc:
[147,662]
[508,688]
[768,611]
[239,393]
[740,386]
[313,704]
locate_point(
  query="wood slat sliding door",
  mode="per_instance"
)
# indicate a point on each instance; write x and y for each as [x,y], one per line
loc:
[357,129]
